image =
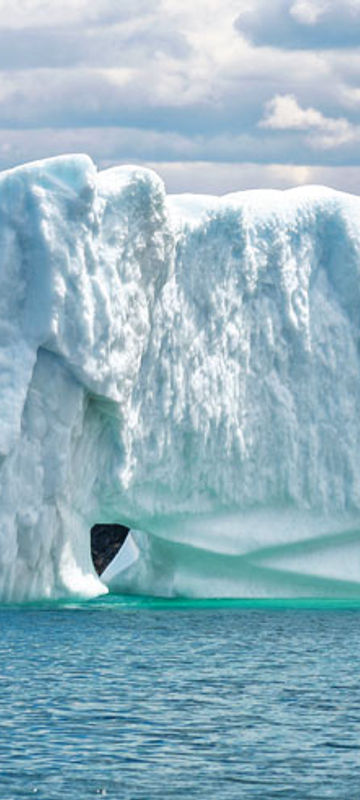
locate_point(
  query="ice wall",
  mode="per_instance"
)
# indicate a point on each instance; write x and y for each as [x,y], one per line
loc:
[187,366]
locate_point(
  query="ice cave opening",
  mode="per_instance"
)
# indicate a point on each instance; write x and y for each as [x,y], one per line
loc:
[106,541]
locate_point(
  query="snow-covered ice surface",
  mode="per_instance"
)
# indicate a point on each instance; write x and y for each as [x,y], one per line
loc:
[186,366]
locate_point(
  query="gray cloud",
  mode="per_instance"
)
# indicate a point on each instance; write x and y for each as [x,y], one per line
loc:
[302,24]
[121,144]
[214,177]
[95,46]
[162,93]
[28,14]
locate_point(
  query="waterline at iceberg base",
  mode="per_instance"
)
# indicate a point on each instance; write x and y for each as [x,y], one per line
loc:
[187,366]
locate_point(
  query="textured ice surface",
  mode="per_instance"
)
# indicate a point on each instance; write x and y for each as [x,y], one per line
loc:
[186,366]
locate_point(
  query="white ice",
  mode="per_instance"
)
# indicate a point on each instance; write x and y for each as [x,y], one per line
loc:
[186,366]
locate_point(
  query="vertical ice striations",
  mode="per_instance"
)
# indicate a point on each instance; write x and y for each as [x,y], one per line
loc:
[84,259]
[188,366]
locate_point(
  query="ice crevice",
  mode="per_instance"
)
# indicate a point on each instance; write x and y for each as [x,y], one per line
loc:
[186,366]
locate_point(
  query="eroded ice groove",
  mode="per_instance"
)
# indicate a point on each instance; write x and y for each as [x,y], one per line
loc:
[186,366]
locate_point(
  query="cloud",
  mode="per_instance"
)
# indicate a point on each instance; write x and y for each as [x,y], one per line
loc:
[131,144]
[307,12]
[27,14]
[214,177]
[302,24]
[115,144]
[284,113]
[164,81]
[94,46]
[219,178]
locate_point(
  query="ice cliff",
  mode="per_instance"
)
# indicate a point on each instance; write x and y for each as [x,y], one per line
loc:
[186,366]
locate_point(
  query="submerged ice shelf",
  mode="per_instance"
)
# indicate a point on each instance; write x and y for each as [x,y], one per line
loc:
[185,366]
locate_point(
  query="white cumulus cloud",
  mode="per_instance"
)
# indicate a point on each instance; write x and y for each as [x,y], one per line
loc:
[283,112]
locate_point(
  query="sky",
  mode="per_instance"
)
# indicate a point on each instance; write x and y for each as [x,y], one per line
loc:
[215,95]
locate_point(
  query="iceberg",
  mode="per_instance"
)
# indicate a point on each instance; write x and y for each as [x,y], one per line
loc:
[187,366]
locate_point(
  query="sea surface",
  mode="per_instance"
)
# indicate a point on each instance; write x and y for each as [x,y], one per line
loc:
[128,698]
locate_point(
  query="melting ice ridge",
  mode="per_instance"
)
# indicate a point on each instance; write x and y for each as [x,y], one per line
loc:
[187,366]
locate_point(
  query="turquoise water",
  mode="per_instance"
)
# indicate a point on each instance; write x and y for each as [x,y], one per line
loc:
[128,698]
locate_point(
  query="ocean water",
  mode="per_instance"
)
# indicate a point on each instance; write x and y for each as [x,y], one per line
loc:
[128,698]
